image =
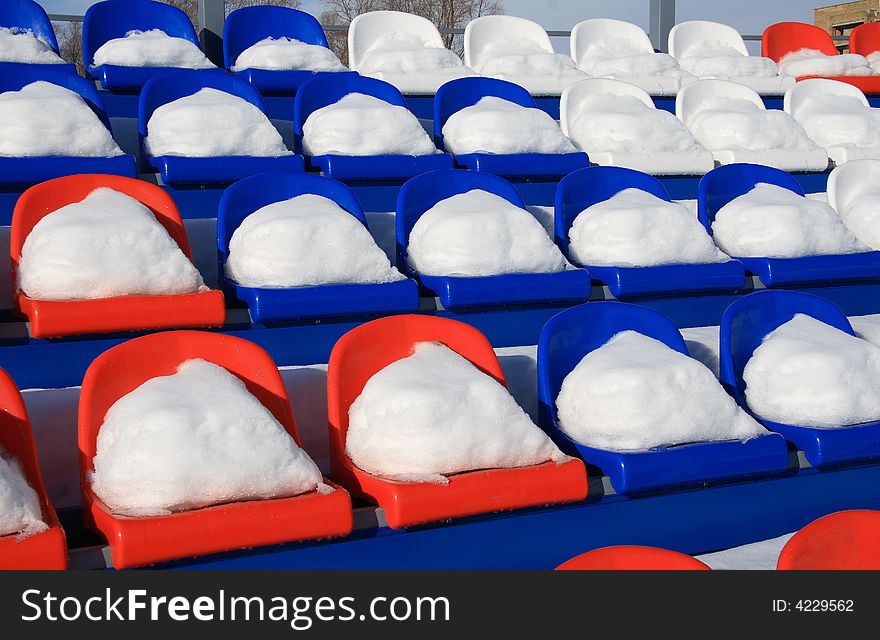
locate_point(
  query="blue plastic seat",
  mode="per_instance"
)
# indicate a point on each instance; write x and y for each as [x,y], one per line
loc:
[182,170]
[111,19]
[461,292]
[457,94]
[29,16]
[329,88]
[744,325]
[723,184]
[33,170]
[571,335]
[587,187]
[245,27]
[268,305]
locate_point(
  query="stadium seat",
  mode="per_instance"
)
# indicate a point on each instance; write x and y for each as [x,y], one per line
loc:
[27,15]
[632,558]
[367,349]
[583,189]
[723,184]
[842,541]
[55,318]
[47,549]
[703,94]
[272,304]
[571,335]
[24,172]
[184,170]
[455,95]
[461,292]
[865,39]
[214,529]
[329,89]
[571,107]
[744,325]
[851,181]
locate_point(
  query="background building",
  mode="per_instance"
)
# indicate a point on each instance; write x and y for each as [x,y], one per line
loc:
[841,19]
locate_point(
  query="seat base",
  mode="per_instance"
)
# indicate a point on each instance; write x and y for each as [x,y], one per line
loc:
[784,272]
[181,171]
[121,79]
[26,172]
[45,550]
[659,163]
[832,447]
[813,160]
[387,167]
[524,165]
[626,282]
[280,82]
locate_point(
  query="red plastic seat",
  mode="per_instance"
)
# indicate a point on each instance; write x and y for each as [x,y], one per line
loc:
[784,37]
[237,525]
[865,39]
[48,549]
[632,558]
[840,541]
[123,313]
[365,350]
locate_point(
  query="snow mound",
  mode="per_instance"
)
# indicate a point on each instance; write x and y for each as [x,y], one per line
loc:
[622,59]
[305,241]
[193,439]
[277,54]
[862,216]
[717,59]
[811,62]
[211,123]
[524,62]
[20,45]
[362,125]
[625,124]
[495,125]
[43,119]
[634,393]
[834,120]
[20,512]
[434,414]
[773,222]
[153,48]
[874,60]
[635,228]
[106,245]
[809,374]
[404,53]
[478,233]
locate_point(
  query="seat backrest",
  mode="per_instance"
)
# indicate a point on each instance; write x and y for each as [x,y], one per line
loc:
[366,28]
[865,39]
[846,540]
[247,26]
[632,558]
[588,32]
[850,180]
[573,96]
[481,32]
[694,96]
[785,37]
[685,34]
[111,19]
[29,16]
[800,94]
[457,94]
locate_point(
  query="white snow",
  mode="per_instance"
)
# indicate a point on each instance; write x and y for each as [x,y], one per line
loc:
[287,54]
[362,125]
[867,327]
[478,233]
[20,512]
[153,48]
[434,414]
[635,228]
[703,345]
[832,120]
[211,123]
[525,63]
[495,125]
[20,45]
[106,245]
[807,373]
[716,59]
[757,556]
[305,241]
[192,439]
[43,119]
[862,214]
[634,393]
[623,59]
[874,60]
[811,62]
[409,62]
[770,221]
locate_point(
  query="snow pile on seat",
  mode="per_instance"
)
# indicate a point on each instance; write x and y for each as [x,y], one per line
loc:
[874,60]
[20,512]
[478,233]
[862,216]
[810,374]
[19,45]
[407,54]
[811,62]
[305,241]
[773,222]
[434,414]
[635,228]
[193,439]
[277,54]
[43,119]
[495,125]
[106,245]
[211,123]
[625,124]
[153,48]
[716,59]
[362,125]
[634,393]
[834,120]
[622,59]
[524,62]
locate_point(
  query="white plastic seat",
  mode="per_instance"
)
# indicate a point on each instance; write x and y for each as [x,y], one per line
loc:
[849,182]
[571,107]
[696,96]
